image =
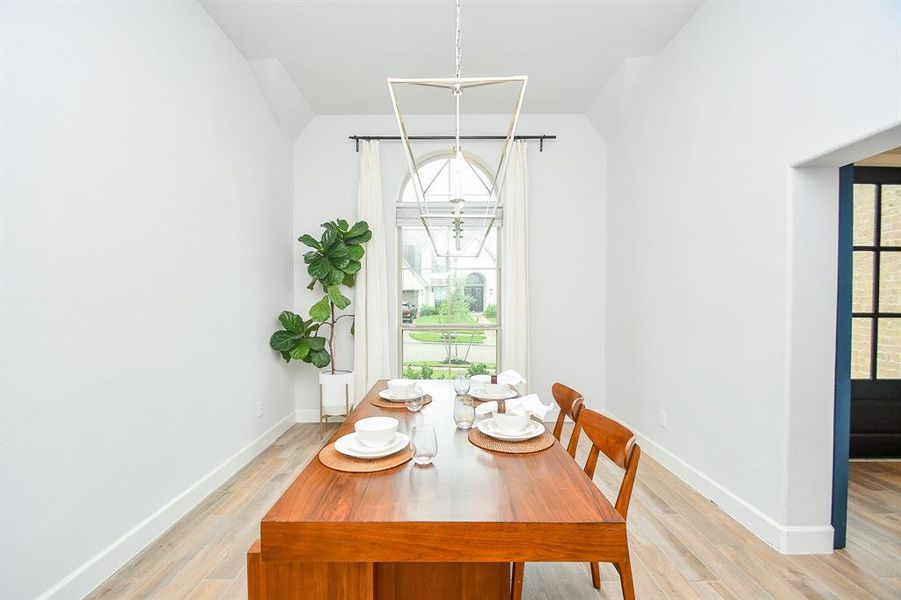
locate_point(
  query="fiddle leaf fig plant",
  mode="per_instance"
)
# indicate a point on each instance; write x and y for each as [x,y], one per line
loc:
[333,261]
[335,257]
[299,340]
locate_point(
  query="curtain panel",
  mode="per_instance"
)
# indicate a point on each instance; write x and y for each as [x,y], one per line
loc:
[515,302]
[371,322]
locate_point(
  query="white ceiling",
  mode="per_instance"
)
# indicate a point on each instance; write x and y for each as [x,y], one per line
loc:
[339,53]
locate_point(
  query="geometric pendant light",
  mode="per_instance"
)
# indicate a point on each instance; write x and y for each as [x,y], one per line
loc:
[459,226]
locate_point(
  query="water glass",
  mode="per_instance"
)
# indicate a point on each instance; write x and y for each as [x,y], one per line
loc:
[461,384]
[425,444]
[415,403]
[464,412]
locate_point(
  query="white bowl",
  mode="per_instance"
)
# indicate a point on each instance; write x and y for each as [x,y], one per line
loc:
[401,387]
[476,382]
[376,432]
[512,421]
[495,390]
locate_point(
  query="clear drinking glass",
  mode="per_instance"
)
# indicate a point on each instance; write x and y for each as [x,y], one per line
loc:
[461,384]
[425,444]
[464,412]
[415,403]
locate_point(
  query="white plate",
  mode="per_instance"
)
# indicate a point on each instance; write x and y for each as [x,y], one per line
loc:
[488,427]
[482,395]
[387,395]
[349,446]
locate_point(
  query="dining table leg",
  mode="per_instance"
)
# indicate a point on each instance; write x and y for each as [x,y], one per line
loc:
[296,580]
[442,581]
[293,580]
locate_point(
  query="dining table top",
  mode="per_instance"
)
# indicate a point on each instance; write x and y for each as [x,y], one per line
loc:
[464,483]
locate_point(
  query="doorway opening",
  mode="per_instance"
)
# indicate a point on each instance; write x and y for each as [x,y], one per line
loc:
[867,463]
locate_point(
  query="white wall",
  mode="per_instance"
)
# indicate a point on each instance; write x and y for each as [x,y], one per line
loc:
[709,248]
[146,249]
[567,219]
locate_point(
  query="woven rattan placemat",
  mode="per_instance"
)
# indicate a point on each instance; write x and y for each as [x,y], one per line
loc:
[382,403]
[536,444]
[333,459]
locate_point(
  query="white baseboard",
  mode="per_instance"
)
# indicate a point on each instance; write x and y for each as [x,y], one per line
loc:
[810,539]
[95,571]
[787,539]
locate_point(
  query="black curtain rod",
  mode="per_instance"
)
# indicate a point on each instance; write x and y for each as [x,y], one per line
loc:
[394,138]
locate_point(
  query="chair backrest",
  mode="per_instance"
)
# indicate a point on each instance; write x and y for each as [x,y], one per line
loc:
[618,444]
[570,403]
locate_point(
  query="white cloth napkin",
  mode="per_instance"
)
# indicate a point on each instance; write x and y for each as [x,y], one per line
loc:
[530,404]
[510,377]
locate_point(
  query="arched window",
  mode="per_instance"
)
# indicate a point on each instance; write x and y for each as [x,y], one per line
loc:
[435,173]
[437,291]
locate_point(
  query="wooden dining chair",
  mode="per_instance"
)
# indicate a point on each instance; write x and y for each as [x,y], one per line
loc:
[570,403]
[618,444]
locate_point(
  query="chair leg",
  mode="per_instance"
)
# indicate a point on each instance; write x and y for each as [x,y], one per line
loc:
[624,569]
[519,571]
[595,575]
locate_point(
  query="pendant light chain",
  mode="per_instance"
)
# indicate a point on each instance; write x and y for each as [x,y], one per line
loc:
[459,40]
[458,56]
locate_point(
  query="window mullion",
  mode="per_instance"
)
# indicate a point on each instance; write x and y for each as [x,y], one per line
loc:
[877,255]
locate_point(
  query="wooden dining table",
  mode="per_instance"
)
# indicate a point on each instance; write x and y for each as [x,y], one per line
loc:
[449,530]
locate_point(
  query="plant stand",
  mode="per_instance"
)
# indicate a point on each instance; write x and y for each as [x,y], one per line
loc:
[335,392]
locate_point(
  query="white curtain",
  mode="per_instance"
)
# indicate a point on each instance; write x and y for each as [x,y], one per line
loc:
[371,355]
[515,299]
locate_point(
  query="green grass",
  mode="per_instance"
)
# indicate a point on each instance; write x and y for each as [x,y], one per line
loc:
[452,337]
[440,368]
[437,364]
[439,320]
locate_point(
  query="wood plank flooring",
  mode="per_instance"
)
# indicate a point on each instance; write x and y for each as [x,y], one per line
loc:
[683,546]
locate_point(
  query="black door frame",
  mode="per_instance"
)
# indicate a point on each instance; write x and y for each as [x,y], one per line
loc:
[841,428]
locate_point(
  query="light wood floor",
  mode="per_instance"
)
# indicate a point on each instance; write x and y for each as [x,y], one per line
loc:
[682,545]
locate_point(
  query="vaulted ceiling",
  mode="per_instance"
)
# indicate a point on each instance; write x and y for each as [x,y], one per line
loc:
[339,53]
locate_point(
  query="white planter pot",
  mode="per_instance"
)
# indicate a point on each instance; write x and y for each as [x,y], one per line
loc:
[336,392]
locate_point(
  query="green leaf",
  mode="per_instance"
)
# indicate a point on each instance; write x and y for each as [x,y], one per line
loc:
[338,250]
[355,251]
[310,241]
[359,239]
[337,297]
[329,237]
[320,359]
[342,224]
[350,279]
[317,343]
[352,267]
[301,350]
[310,256]
[291,322]
[321,310]
[335,277]
[283,341]
[320,267]
[286,356]
[359,228]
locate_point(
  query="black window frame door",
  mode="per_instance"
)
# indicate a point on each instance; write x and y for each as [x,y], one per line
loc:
[875,401]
